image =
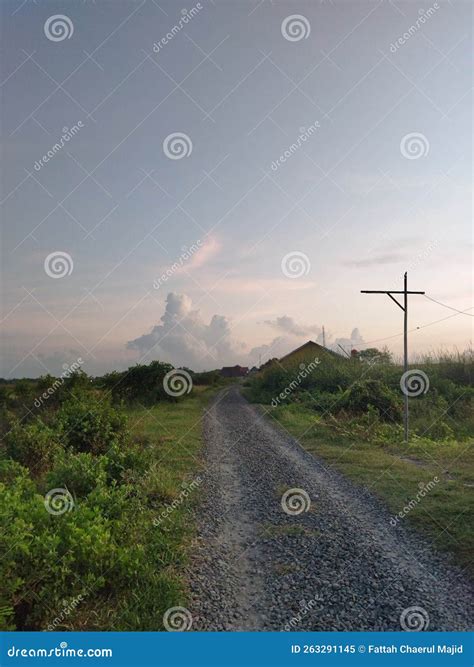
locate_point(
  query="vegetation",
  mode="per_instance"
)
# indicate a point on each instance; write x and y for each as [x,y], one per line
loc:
[349,412]
[84,475]
[97,475]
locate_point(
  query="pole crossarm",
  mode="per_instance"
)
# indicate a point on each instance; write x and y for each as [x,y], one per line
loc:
[387,291]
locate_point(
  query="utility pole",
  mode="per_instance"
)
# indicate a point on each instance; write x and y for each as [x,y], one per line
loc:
[324,337]
[405,293]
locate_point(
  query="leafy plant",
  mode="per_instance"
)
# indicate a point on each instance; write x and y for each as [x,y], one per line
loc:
[34,445]
[372,393]
[91,425]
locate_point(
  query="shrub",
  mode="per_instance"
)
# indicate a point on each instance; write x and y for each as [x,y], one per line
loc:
[34,445]
[365,393]
[46,558]
[91,425]
[207,378]
[79,473]
[140,383]
[121,460]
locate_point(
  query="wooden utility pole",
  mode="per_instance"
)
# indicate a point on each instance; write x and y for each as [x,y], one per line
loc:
[405,293]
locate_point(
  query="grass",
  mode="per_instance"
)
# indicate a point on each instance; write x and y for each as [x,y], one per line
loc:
[173,434]
[173,431]
[394,473]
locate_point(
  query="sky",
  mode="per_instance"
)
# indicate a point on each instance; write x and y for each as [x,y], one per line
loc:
[223,178]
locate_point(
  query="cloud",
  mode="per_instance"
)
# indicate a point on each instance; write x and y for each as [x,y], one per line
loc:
[184,339]
[279,346]
[207,251]
[376,260]
[292,335]
[288,325]
[355,340]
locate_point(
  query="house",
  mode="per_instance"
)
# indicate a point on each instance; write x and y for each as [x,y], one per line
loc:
[308,352]
[234,371]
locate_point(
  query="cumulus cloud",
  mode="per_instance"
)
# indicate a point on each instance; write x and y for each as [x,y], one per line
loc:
[354,341]
[288,325]
[278,347]
[183,338]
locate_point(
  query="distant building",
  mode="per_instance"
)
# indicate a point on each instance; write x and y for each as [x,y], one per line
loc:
[308,351]
[234,371]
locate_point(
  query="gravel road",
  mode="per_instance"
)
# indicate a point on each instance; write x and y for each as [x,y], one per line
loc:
[340,565]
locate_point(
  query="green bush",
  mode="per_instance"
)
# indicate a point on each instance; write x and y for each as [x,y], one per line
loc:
[103,551]
[34,445]
[140,383]
[46,558]
[365,393]
[79,473]
[207,378]
[121,460]
[91,425]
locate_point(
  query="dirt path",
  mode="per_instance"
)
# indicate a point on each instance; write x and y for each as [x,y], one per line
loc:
[338,566]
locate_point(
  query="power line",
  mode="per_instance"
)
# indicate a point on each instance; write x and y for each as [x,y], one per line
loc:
[422,326]
[461,312]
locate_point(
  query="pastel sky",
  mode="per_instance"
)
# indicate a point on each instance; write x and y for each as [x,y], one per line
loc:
[207,248]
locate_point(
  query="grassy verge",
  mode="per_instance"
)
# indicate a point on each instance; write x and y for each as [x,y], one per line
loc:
[397,473]
[172,433]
